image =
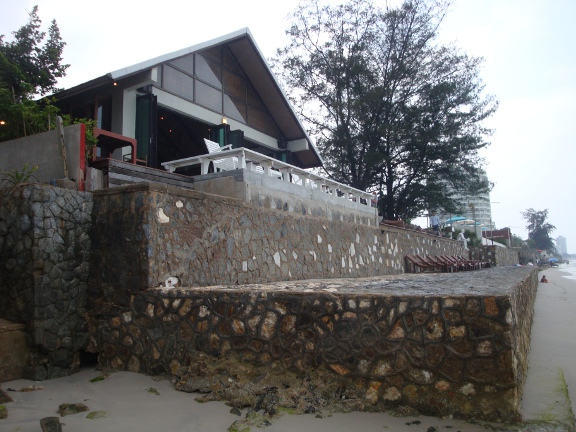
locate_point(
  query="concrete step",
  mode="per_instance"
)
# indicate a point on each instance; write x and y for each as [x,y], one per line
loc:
[14,353]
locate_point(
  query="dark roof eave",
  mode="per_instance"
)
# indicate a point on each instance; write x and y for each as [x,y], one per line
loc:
[84,87]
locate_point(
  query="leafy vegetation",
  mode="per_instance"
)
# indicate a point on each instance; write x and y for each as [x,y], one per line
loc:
[392,110]
[539,230]
[30,66]
[17,177]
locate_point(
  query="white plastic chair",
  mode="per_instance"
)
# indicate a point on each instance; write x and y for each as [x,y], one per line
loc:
[224,164]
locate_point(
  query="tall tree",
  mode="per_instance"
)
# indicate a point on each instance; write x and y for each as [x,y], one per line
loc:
[30,66]
[391,110]
[539,229]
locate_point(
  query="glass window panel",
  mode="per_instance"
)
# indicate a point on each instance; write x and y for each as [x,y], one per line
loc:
[230,62]
[178,83]
[235,109]
[212,54]
[185,64]
[234,85]
[253,98]
[273,130]
[209,97]
[257,119]
[208,71]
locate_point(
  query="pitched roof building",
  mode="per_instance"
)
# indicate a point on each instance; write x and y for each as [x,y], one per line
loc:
[222,90]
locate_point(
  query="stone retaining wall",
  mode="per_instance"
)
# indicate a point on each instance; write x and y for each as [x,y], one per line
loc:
[497,255]
[445,344]
[145,233]
[14,354]
[82,270]
[44,254]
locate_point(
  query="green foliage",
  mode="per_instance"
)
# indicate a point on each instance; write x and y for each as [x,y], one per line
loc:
[17,177]
[98,378]
[90,140]
[473,240]
[539,230]
[25,117]
[517,242]
[29,66]
[391,110]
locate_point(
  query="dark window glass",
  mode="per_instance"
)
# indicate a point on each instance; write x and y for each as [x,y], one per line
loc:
[257,119]
[185,64]
[212,54]
[178,83]
[230,62]
[235,109]
[234,85]
[209,97]
[208,71]
[273,129]
[253,98]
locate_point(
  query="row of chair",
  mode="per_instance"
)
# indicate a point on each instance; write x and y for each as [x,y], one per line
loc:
[442,263]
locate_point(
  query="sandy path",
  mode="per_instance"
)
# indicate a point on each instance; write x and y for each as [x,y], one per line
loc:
[553,350]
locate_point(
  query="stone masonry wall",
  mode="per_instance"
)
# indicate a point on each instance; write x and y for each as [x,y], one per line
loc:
[44,254]
[445,344]
[145,233]
[498,256]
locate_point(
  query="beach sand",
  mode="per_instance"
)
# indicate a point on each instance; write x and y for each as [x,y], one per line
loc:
[128,401]
[552,359]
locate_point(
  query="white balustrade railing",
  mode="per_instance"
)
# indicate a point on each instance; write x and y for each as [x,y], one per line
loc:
[243,158]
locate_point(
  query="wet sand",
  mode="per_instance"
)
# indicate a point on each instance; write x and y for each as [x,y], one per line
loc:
[552,358]
[127,405]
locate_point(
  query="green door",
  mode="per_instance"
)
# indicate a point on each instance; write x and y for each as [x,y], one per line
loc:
[146,115]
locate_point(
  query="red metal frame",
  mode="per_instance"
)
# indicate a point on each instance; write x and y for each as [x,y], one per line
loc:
[110,141]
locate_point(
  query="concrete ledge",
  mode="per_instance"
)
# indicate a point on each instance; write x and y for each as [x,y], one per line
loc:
[445,344]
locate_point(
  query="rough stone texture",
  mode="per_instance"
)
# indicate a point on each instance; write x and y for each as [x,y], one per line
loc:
[44,252]
[51,424]
[145,233]
[442,343]
[5,397]
[14,353]
[498,256]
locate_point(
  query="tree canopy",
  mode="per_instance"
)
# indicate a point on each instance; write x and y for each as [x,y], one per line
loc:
[391,110]
[30,66]
[539,229]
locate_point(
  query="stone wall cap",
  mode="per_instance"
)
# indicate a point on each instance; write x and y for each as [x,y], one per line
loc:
[490,282]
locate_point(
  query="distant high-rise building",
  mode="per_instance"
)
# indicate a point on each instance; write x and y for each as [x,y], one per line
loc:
[561,245]
[476,208]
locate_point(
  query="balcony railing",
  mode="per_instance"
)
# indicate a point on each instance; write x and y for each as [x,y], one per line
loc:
[243,158]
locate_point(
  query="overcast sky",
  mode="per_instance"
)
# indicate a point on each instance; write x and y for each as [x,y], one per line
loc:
[529,47]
